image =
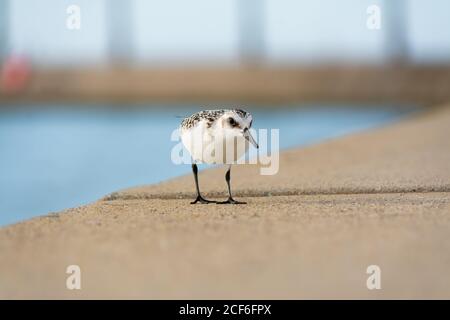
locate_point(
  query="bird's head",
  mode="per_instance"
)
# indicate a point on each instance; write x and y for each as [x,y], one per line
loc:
[238,122]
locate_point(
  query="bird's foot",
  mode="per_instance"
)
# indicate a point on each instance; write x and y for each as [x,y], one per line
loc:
[202,200]
[230,200]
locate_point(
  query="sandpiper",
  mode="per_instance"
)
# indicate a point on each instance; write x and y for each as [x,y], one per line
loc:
[217,137]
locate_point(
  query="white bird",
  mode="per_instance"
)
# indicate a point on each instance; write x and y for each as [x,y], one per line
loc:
[217,137]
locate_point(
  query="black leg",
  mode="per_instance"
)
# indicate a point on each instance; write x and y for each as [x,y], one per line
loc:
[199,196]
[230,199]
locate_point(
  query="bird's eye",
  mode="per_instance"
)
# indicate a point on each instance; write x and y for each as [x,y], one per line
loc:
[231,121]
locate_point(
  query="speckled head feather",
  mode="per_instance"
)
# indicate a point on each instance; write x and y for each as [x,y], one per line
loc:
[209,116]
[241,113]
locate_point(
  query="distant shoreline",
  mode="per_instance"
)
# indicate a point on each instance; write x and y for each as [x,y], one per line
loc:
[410,84]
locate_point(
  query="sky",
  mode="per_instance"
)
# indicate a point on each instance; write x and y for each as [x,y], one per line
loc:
[202,31]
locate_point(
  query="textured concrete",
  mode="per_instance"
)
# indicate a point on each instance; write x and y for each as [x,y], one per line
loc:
[380,198]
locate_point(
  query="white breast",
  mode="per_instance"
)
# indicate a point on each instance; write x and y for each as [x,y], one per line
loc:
[214,146]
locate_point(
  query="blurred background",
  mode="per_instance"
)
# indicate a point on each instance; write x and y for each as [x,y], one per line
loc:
[90,90]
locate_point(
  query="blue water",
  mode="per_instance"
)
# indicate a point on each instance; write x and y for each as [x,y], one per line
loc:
[56,158]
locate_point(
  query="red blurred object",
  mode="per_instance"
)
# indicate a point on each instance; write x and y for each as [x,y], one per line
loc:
[15,74]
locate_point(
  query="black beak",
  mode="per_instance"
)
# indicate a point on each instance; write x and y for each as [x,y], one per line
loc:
[250,138]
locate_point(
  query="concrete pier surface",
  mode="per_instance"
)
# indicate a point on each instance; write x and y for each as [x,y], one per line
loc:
[380,197]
